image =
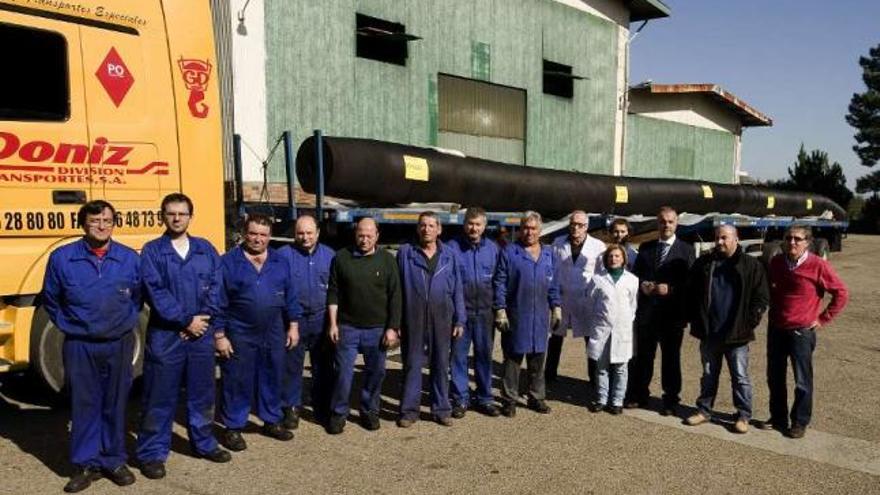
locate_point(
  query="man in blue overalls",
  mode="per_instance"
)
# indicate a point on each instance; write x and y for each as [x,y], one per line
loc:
[92,293]
[527,306]
[310,267]
[433,315]
[257,301]
[477,259]
[181,275]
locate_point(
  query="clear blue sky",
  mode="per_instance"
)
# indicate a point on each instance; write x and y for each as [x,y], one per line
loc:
[794,60]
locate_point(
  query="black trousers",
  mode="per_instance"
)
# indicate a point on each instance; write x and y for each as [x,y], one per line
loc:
[641,367]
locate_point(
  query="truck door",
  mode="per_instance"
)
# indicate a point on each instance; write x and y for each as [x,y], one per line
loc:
[131,112]
[44,145]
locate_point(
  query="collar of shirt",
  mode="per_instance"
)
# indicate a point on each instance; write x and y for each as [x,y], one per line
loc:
[800,261]
[669,241]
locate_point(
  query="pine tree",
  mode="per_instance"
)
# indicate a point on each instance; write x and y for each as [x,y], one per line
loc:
[864,110]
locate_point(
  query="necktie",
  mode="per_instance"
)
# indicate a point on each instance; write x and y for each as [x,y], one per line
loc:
[661,253]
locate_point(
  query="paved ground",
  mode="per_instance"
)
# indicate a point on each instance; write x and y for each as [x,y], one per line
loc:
[569,451]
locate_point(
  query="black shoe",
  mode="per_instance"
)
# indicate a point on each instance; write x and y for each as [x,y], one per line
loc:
[595,407]
[632,404]
[490,410]
[668,410]
[120,475]
[233,440]
[276,431]
[291,418]
[217,455]
[458,412]
[508,410]
[539,406]
[82,479]
[797,431]
[370,421]
[336,425]
[154,470]
[615,410]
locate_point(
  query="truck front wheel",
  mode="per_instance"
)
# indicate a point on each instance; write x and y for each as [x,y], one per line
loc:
[46,355]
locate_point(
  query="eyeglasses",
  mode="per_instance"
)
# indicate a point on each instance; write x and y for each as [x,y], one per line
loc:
[795,238]
[577,225]
[171,214]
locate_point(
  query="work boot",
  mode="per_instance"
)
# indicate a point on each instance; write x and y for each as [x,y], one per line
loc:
[336,424]
[508,410]
[82,479]
[696,419]
[405,422]
[154,470]
[291,418]
[539,406]
[443,421]
[490,410]
[217,455]
[370,421]
[797,431]
[595,407]
[458,412]
[233,440]
[741,426]
[276,431]
[120,475]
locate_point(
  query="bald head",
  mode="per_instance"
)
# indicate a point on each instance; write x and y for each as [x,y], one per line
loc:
[366,235]
[306,233]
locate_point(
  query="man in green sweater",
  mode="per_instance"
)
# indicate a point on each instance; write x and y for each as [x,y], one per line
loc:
[364,308]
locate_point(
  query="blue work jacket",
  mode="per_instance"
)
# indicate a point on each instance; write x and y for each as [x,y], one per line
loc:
[179,288]
[91,297]
[256,306]
[477,268]
[527,289]
[430,301]
[311,273]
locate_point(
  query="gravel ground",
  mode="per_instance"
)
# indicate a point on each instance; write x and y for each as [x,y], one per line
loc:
[569,451]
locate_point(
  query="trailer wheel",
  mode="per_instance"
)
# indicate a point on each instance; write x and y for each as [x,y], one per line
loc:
[820,247]
[46,343]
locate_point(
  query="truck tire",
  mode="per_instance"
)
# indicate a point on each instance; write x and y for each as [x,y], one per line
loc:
[46,343]
[768,250]
[820,247]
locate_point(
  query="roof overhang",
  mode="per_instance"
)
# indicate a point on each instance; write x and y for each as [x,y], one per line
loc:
[644,10]
[748,115]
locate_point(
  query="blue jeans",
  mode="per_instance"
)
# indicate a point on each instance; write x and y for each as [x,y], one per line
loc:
[609,377]
[354,340]
[798,346]
[482,334]
[737,357]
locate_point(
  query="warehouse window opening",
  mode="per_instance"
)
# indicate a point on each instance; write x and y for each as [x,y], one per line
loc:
[559,79]
[381,40]
[482,119]
[36,85]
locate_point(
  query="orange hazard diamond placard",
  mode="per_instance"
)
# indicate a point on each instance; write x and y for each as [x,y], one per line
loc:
[114,76]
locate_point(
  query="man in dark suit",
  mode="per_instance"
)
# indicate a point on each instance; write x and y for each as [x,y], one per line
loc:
[662,267]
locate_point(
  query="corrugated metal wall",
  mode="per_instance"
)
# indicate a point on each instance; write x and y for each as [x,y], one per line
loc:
[660,148]
[315,81]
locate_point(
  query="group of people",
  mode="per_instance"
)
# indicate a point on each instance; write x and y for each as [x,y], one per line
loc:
[258,311]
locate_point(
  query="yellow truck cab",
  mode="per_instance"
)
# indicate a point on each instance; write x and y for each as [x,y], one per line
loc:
[109,99]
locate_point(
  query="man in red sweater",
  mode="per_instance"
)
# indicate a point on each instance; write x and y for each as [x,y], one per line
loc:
[798,282]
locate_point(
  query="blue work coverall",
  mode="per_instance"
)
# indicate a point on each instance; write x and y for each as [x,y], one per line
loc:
[477,269]
[95,302]
[176,290]
[311,271]
[432,304]
[527,289]
[256,307]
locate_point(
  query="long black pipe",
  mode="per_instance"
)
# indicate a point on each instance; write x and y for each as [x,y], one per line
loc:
[380,173]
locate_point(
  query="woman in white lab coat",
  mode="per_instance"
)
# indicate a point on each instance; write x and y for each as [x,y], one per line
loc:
[612,298]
